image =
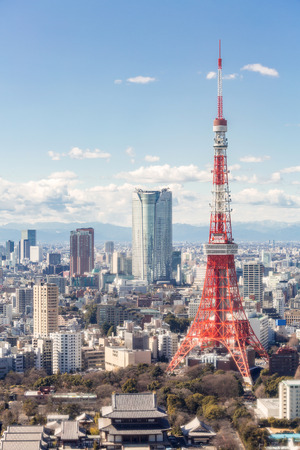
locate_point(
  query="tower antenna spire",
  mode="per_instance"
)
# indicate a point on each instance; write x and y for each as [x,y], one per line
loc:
[220,93]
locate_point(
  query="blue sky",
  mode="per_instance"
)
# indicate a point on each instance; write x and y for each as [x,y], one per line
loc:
[100,96]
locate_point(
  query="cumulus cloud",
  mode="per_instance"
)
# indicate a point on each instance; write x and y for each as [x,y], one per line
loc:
[130,152]
[78,153]
[274,197]
[230,76]
[166,174]
[263,70]
[254,159]
[293,169]
[211,75]
[141,80]
[118,81]
[54,155]
[152,158]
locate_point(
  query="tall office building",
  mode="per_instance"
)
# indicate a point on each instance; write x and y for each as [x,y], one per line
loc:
[152,235]
[109,247]
[9,247]
[81,251]
[28,239]
[253,280]
[45,309]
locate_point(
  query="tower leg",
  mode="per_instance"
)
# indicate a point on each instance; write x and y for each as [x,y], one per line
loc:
[186,346]
[239,355]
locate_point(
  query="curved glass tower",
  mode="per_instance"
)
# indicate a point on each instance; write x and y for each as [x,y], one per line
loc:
[152,235]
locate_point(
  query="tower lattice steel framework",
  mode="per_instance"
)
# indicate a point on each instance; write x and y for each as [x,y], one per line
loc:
[221,319]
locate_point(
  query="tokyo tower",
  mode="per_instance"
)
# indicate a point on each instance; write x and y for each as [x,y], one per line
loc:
[221,319]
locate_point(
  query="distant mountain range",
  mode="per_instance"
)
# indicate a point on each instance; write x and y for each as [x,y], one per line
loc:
[56,232]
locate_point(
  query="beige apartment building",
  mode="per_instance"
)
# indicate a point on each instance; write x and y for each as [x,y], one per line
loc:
[120,357]
[45,309]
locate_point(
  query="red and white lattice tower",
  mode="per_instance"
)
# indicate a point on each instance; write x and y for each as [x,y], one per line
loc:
[221,319]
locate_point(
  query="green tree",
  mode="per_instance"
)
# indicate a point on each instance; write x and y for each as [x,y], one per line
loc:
[105,327]
[30,407]
[174,402]
[154,386]
[111,331]
[156,372]
[213,412]
[129,386]
[193,402]
[90,315]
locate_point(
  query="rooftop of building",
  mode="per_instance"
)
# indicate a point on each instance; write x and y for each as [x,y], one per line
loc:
[291,383]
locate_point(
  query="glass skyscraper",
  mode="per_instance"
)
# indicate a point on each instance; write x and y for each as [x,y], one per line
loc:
[152,235]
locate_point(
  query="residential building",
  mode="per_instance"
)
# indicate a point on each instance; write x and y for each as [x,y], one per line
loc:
[193,307]
[134,420]
[53,259]
[66,351]
[43,348]
[24,297]
[60,282]
[152,235]
[81,251]
[253,280]
[260,326]
[45,309]
[115,314]
[289,399]
[167,345]
[284,362]
[120,357]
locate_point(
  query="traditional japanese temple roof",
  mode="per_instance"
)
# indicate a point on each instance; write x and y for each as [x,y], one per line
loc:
[138,406]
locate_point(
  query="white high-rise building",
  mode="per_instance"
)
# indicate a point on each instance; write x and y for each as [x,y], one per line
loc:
[289,399]
[167,344]
[253,280]
[66,353]
[36,253]
[152,235]
[45,309]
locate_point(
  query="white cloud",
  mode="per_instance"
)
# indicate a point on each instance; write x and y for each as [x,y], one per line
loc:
[234,167]
[211,75]
[118,81]
[293,169]
[166,174]
[275,177]
[78,153]
[263,70]
[141,80]
[230,76]
[274,197]
[152,158]
[54,156]
[66,175]
[254,159]
[130,151]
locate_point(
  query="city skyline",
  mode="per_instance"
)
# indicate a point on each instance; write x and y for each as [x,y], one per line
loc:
[96,101]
